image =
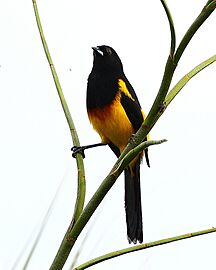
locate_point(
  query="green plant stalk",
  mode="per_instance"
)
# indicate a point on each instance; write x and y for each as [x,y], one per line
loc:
[205,13]
[210,2]
[115,254]
[158,107]
[165,84]
[122,164]
[80,166]
[71,235]
[164,87]
[183,81]
[82,244]
[172,28]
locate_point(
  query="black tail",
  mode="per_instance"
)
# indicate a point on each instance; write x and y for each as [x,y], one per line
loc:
[133,207]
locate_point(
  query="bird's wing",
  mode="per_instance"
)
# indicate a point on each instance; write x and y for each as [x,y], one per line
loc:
[130,103]
[131,90]
[132,110]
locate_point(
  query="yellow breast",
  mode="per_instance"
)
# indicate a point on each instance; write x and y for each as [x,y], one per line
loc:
[112,123]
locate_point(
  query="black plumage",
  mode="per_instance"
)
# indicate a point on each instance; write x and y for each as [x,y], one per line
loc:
[115,113]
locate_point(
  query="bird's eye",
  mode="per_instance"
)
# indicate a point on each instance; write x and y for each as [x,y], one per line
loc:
[108,50]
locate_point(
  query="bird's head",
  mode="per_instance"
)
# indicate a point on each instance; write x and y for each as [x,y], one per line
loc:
[105,57]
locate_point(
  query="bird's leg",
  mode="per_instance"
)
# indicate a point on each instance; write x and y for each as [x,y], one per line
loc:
[80,149]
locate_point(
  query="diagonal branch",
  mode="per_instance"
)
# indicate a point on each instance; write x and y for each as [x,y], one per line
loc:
[183,81]
[203,16]
[117,253]
[72,235]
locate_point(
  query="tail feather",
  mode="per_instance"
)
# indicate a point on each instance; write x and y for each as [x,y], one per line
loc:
[133,207]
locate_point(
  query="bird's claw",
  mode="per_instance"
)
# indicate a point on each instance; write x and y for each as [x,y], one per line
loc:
[77,149]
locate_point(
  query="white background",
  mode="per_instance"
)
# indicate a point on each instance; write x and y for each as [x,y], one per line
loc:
[178,191]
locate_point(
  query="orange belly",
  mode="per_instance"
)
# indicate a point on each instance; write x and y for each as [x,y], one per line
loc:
[112,123]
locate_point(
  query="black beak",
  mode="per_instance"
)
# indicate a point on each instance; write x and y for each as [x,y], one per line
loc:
[95,49]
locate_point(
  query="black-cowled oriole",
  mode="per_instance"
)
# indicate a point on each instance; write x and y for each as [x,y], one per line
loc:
[115,113]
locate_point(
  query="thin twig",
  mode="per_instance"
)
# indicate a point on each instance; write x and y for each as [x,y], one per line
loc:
[183,81]
[172,28]
[135,151]
[117,253]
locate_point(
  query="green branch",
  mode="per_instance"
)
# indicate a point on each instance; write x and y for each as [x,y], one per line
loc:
[158,107]
[80,166]
[181,83]
[71,236]
[205,13]
[115,254]
[172,28]
[122,164]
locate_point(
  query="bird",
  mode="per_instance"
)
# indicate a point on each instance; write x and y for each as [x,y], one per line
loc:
[115,113]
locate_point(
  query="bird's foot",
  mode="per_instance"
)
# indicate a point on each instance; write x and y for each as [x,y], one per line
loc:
[78,149]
